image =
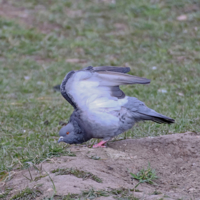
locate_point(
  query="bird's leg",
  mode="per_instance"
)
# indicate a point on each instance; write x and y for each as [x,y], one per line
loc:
[100,144]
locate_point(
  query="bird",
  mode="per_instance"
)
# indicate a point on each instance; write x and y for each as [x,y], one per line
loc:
[101,108]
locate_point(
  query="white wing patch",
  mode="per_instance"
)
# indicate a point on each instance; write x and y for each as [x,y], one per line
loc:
[89,91]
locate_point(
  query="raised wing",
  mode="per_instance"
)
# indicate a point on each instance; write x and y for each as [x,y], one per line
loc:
[64,92]
[111,68]
[98,87]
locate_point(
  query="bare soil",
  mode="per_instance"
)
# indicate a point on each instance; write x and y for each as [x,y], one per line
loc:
[27,17]
[176,159]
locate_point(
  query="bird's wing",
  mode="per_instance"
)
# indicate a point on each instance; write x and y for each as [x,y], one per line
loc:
[64,92]
[93,88]
[111,68]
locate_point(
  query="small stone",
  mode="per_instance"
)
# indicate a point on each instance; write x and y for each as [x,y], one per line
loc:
[135,157]
[162,90]
[49,190]
[26,77]
[193,164]
[156,149]
[154,68]
[182,18]
[192,189]
[180,94]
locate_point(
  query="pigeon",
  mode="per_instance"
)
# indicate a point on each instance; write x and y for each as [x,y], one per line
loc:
[101,108]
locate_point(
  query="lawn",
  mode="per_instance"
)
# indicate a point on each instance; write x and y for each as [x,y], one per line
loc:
[159,40]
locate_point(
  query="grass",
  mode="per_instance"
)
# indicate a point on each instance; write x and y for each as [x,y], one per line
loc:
[144,35]
[4,195]
[26,194]
[119,194]
[3,175]
[78,173]
[39,177]
[94,157]
[145,176]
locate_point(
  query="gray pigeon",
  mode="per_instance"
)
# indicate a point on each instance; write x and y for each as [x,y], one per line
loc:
[101,109]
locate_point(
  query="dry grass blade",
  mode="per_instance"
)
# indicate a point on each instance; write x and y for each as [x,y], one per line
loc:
[78,173]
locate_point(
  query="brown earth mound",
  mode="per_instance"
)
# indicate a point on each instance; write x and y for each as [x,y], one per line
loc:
[176,159]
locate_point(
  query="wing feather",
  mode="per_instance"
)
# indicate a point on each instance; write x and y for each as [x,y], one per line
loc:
[111,68]
[93,88]
[115,78]
[64,92]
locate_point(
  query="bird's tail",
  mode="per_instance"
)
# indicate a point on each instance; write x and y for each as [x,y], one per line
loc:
[56,88]
[156,117]
[161,119]
[141,112]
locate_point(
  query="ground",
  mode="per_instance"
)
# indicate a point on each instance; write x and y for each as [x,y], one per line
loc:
[175,158]
[40,41]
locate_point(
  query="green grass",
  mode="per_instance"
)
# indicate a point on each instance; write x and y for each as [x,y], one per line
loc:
[27,193]
[145,176]
[4,195]
[78,173]
[118,194]
[139,34]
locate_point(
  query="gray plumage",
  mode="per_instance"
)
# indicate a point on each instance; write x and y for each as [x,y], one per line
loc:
[102,110]
[62,89]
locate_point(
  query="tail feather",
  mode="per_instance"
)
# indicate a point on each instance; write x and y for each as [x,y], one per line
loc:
[163,120]
[157,117]
[56,88]
[141,112]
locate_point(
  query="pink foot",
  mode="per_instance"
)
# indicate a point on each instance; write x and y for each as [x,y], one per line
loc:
[100,144]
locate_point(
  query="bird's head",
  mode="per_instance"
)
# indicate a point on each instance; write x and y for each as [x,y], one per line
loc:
[67,134]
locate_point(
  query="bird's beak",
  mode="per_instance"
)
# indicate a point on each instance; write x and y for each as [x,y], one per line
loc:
[60,139]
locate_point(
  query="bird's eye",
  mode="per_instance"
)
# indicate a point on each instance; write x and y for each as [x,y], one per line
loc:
[67,133]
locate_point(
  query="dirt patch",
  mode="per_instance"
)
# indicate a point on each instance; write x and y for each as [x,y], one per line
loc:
[27,17]
[74,13]
[176,159]
[120,27]
[191,8]
[76,60]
